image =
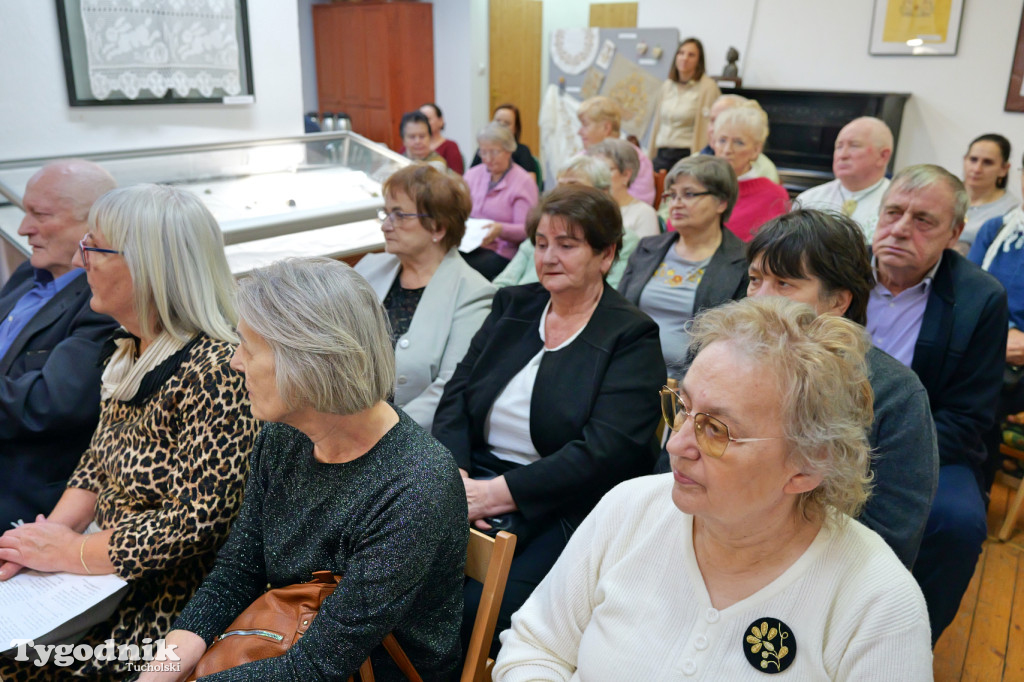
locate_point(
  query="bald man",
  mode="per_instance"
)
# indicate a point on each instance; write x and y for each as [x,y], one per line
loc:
[862,152]
[49,344]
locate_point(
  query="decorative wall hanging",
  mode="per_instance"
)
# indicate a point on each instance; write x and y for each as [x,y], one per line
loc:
[918,28]
[591,83]
[635,90]
[1015,93]
[574,49]
[155,51]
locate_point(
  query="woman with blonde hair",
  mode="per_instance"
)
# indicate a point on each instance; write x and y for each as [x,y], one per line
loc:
[739,137]
[163,476]
[744,560]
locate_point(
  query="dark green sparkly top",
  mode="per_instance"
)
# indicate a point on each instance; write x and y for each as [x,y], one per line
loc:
[392,522]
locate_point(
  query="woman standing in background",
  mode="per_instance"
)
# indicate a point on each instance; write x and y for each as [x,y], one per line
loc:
[684,101]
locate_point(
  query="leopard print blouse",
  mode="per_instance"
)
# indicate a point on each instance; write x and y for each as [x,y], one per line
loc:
[169,472]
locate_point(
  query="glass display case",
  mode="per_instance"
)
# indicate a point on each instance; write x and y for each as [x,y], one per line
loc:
[310,195]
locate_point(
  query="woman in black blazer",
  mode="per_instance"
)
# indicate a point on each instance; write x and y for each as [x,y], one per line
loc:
[698,264]
[556,400]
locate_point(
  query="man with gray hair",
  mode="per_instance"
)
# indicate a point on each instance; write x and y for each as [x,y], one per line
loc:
[49,344]
[945,318]
[862,152]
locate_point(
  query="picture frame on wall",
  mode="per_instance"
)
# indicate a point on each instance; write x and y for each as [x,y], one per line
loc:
[1015,91]
[916,28]
[155,52]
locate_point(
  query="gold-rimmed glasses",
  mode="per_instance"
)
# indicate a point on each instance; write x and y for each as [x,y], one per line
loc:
[713,435]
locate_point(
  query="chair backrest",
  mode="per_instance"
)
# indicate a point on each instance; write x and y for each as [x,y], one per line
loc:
[659,187]
[487,561]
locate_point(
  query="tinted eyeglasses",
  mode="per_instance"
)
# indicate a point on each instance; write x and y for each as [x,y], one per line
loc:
[713,435]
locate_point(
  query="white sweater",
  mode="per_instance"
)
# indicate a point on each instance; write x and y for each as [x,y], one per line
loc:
[626,601]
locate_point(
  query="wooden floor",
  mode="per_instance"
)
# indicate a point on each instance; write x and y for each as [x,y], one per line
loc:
[986,640]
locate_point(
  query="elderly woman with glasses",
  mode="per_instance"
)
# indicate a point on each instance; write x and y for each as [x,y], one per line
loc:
[502,192]
[435,302]
[739,137]
[698,264]
[744,560]
[163,476]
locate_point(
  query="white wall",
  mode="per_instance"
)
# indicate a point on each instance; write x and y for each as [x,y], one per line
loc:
[811,44]
[35,119]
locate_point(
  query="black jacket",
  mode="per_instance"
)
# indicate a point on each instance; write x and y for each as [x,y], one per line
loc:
[594,406]
[49,395]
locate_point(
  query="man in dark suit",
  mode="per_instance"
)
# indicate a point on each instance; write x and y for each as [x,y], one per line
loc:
[49,344]
[946,319]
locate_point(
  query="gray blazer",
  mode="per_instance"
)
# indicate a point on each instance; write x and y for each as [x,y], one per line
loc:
[455,303]
[724,280]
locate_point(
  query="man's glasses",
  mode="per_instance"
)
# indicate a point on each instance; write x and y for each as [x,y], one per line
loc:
[713,436]
[397,216]
[84,249]
[687,196]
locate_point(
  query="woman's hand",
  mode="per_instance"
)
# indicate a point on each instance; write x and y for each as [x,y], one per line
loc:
[493,232]
[488,497]
[188,647]
[43,545]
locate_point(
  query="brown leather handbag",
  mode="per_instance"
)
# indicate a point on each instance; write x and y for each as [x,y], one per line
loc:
[275,622]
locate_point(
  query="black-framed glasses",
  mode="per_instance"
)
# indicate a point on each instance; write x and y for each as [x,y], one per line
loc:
[713,435]
[687,196]
[84,250]
[397,216]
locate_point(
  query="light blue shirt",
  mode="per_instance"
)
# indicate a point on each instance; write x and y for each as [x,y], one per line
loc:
[894,321]
[44,289]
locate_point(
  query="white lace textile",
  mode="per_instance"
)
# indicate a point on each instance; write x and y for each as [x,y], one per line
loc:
[574,49]
[158,45]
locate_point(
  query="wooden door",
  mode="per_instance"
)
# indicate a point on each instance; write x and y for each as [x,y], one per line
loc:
[613,15]
[515,53]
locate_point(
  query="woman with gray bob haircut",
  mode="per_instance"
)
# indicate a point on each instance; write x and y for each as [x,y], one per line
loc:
[340,481]
[768,571]
[698,264]
[623,163]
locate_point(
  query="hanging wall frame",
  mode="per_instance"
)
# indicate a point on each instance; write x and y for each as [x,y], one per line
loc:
[155,52]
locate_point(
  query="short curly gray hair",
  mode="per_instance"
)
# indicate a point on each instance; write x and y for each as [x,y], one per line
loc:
[329,334]
[819,363]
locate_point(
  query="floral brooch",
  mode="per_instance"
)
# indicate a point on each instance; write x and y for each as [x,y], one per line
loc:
[769,645]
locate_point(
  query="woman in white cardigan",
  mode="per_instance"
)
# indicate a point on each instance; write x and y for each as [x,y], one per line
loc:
[745,559]
[434,300]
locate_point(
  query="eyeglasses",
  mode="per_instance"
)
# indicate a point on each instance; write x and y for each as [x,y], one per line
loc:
[397,216]
[491,153]
[713,436]
[687,196]
[84,250]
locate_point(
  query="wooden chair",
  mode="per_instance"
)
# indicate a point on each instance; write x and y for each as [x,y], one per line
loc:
[659,187]
[1006,530]
[487,561]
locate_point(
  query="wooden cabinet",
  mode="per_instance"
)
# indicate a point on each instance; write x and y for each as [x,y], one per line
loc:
[374,61]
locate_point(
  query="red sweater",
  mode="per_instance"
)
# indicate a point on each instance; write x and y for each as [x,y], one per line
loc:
[759,201]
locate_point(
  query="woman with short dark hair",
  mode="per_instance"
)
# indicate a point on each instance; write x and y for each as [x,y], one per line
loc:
[986,172]
[448,149]
[536,413]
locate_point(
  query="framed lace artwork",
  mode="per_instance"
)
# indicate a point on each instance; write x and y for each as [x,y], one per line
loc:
[155,51]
